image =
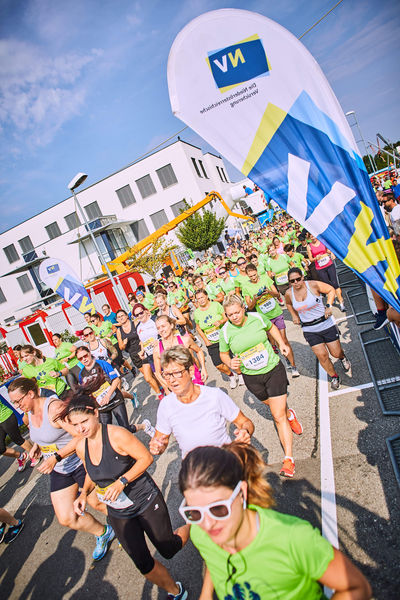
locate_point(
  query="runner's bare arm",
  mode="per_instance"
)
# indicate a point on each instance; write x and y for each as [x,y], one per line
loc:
[121,343]
[202,335]
[344,577]
[293,312]
[245,428]
[159,443]
[251,302]
[207,590]
[276,335]
[324,288]
[180,319]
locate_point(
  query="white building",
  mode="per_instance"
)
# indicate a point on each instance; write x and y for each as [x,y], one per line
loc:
[122,209]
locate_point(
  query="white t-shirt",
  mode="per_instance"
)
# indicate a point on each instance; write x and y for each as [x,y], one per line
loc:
[200,423]
[395,219]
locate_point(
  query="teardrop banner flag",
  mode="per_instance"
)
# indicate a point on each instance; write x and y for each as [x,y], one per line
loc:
[254,92]
[59,276]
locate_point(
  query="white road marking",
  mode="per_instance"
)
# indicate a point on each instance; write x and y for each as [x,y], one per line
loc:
[328,496]
[347,390]
[17,499]
[344,318]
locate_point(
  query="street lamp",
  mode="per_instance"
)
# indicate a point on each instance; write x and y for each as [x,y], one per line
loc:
[352,113]
[73,185]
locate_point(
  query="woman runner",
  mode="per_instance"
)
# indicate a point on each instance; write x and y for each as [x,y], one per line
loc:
[66,353]
[319,254]
[9,427]
[304,302]
[53,437]
[47,371]
[116,463]
[245,336]
[251,550]
[147,332]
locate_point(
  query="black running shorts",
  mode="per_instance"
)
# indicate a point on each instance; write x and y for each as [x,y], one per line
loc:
[322,337]
[268,385]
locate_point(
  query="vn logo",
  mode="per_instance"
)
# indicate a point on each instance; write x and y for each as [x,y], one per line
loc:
[238,63]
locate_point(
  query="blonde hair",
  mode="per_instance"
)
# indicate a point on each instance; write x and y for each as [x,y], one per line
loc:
[233,299]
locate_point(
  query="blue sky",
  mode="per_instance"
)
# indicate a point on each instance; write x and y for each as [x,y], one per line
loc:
[83,83]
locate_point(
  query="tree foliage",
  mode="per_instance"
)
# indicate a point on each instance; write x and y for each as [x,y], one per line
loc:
[152,260]
[201,231]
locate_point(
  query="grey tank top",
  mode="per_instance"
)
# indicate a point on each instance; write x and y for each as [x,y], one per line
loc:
[311,309]
[50,439]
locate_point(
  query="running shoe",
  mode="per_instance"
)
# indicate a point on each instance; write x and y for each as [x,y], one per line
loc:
[148,428]
[22,461]
[2,531]
[160,396]
[12,532]
[281,302]
[240,379]
[36,461]
[342,307]
[275,348]
[103,542]
[181,595]
[233,381]
[346,364]
[380,320]
[135,400]
[335,382]
[295,425]
[125,385]
[295,372]
[287,469]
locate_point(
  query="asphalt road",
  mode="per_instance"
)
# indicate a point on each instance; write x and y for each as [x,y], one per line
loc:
[49,561]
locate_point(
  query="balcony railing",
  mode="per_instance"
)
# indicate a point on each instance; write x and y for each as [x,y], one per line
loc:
[29,256]
[101,222]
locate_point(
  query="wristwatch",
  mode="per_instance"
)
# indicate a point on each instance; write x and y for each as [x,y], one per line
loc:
[124,481]
[57,457]
[327,305]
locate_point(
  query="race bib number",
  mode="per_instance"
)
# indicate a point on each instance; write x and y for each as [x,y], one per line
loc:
[148,346]
[282,279]
[121,502]
[266,304]
[256,358]
[49,450]
[322,262]
[213,334]
[101,392]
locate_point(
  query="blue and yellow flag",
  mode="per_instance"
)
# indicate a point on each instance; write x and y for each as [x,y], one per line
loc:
[255,93]
[60,277]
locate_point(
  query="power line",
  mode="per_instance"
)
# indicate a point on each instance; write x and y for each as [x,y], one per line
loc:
[187,126]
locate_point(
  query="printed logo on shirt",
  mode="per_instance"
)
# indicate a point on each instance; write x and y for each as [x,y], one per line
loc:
[242,592]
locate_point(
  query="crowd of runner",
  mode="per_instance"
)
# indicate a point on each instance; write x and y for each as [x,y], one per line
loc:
[225,310]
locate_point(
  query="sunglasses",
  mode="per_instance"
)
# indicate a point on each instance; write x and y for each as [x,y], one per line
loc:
[239,264]
[174,374]
[219,511]
[296,280]
[222,272]
[139,314]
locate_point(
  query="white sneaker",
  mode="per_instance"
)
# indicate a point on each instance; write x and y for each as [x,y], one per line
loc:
[148,428]
[232,381]
[295,372]
[240,379]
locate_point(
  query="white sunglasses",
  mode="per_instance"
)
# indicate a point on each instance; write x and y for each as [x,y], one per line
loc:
[216,510]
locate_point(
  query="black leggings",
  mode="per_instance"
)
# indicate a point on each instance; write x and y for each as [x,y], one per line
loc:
[10,427]
[156,523]
[120,414]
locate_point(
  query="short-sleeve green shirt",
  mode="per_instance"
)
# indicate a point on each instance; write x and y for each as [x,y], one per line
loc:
[64,350]
[227,286]
[206,319]
[285,560]
[265,304]
[41,374]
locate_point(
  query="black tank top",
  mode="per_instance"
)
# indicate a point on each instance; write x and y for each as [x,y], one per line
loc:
[133,345]
[141,491]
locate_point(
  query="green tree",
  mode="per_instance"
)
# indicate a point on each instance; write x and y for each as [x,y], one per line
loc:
[201,231]
[152,259]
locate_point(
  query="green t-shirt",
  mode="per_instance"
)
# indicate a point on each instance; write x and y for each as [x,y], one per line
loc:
[178,298]
[64,350]
[205,319]
[241,281]
[297,258]
[148,301]
[266,304]
[227,286]
[41,374]
[21,364]
[104,331]
[213,289]
[5,412]
[280,266]
[250,342]
[285,560]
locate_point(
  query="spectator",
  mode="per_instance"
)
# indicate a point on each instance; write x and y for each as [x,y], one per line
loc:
[393,209]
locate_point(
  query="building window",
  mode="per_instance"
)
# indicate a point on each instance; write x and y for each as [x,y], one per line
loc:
[25,283]
[203,169]
[125,196]
[11,253]
[2,297]
[26,245]
[72,221]
[53,230]
[145,186]
[178,207]
[93,211]
[220,174]
[166,176]
[139,230]
[196,167]
[159,218]
[223,173]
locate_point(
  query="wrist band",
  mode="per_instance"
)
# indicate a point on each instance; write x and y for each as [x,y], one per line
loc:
[57,457]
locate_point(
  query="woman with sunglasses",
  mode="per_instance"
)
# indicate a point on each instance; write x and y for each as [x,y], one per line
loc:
[47,371]
[251,550]
[278,267]
[169,337]
[100,349]
[105,330]
[179,298]
[56,439]
[116,463]
[226,282]
[246,338]
[147,332]
[129,341]
[305,304]
[321,257]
